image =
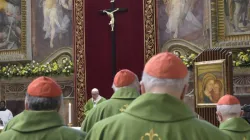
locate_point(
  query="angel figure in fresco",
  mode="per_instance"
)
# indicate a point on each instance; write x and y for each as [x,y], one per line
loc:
[55,21]
[178,11]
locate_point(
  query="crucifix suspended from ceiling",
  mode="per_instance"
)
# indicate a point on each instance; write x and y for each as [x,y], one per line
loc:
[111,14]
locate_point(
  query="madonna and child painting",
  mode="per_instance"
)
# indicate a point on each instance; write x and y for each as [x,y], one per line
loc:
[210,81]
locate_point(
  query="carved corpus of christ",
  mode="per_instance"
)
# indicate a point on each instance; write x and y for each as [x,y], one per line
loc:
[112,18]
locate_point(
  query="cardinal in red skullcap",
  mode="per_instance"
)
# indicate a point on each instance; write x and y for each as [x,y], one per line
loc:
[229,115]
[159,113]
[40,120]
[126,88]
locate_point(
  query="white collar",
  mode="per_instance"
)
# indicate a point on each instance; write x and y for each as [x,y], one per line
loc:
[97,99]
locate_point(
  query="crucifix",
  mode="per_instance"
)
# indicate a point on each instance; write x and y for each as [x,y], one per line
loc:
[111,14]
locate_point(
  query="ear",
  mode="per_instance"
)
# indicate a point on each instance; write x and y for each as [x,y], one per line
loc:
[184,92]
[26,106]
[58,109]
[219,116]
[142,88]
[241,113]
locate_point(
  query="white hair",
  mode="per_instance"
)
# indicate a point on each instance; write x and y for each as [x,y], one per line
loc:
[175,85]
[95,91]
[134,85]
[229,110]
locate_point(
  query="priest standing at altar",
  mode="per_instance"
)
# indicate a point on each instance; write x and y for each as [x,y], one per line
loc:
[126,87]
[160,113]
[92,102]
[40,120]
[5,114]
[229,115]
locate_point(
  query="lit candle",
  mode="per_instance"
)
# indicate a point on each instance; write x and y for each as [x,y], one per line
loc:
[70,113]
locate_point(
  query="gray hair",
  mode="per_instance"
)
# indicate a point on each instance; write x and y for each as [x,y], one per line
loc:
[43,103]
[134,85]
[175,85]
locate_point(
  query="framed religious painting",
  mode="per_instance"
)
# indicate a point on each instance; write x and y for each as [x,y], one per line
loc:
[230,23]
[51,28]
[14,30]
[177,26]
[210,82]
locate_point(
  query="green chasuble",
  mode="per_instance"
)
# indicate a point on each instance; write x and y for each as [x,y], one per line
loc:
[116,104]
[40,125]
[236,128]
[12,122]
[155,117]
[90,104]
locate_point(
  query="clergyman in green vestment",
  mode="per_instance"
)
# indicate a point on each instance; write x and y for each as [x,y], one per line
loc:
[92,102]
[126,86]
[41,120]
[159,114]
[229,114]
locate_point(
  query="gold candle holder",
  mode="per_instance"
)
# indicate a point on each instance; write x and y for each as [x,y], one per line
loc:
[70,125]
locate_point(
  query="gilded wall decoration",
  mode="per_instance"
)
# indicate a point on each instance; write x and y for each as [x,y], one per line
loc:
[150,32]
[80,61]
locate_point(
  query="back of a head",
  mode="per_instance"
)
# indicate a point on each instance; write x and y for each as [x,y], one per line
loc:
[43,94]
[2,105]
[125,79]
[228,107]
[165,73]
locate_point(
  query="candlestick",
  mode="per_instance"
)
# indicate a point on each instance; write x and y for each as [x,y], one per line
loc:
[70,113]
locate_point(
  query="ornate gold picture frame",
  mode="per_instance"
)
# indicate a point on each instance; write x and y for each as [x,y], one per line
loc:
[16,44]
[210,82]
[224,33]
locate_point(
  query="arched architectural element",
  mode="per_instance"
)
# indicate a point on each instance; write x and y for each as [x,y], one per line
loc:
[59,55]
[181,46]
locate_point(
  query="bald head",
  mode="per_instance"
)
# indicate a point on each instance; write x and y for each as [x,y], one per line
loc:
[94,93]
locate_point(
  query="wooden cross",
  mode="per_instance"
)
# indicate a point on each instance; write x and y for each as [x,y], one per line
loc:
[111,13]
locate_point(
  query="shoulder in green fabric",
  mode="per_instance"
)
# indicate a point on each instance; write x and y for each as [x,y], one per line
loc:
[37,125]
[236,128]
[117,104]
[158,117]
[12,122]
